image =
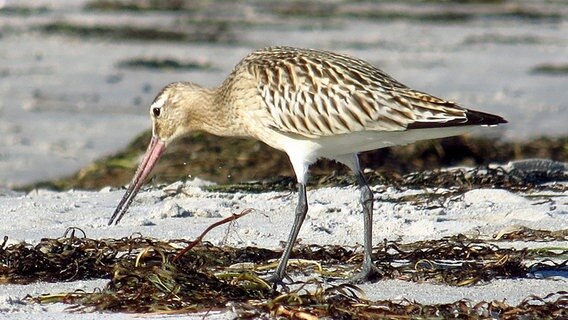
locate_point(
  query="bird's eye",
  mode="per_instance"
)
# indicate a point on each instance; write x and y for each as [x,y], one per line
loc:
[156,112]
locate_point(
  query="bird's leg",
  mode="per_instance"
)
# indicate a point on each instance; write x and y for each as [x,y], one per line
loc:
[368,270]
[301,210]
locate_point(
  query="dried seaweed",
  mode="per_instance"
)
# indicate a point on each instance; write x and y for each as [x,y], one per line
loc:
[498,178]
[159,286]
[454,180]
[145,278]
[336,303]
[63,259]
[455,260]
[520,233]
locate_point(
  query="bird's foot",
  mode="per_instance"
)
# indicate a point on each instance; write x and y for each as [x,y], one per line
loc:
[369,273]
[277,279]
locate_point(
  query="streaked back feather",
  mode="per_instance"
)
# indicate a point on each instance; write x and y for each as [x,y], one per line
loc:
[318,93]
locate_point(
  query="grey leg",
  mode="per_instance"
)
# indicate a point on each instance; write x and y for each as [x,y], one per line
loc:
[368,269]
[301,210]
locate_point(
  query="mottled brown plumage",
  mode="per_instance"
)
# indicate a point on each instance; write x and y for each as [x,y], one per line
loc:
[317,93]
[310,104]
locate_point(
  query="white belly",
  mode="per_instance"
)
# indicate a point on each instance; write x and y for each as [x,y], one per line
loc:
[331,146]
[304,151]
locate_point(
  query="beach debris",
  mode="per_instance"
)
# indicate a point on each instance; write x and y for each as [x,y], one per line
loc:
[521,233]
[143,276]
[197,240]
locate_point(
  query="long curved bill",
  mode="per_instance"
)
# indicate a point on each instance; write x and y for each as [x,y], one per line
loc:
[155,150]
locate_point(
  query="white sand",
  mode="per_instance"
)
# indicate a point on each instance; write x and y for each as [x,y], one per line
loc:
[334,218]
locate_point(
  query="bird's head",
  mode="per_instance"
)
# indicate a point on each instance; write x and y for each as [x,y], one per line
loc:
[173,111]
[173,115]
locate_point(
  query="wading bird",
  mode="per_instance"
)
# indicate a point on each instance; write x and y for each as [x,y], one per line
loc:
[310,104]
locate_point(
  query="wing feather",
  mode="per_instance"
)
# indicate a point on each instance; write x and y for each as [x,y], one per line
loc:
[317,93]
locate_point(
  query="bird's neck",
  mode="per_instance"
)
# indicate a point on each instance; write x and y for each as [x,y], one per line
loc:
[216,115]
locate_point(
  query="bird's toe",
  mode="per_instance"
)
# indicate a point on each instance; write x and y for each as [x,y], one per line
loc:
[369,273]
[277,279]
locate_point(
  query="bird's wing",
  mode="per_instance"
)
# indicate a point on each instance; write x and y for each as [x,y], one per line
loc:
[317,93]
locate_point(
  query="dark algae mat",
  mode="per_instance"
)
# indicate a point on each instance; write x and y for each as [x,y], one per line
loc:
[144,278]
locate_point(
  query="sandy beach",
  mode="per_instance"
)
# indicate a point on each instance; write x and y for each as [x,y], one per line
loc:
[72,92]
[184,210]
